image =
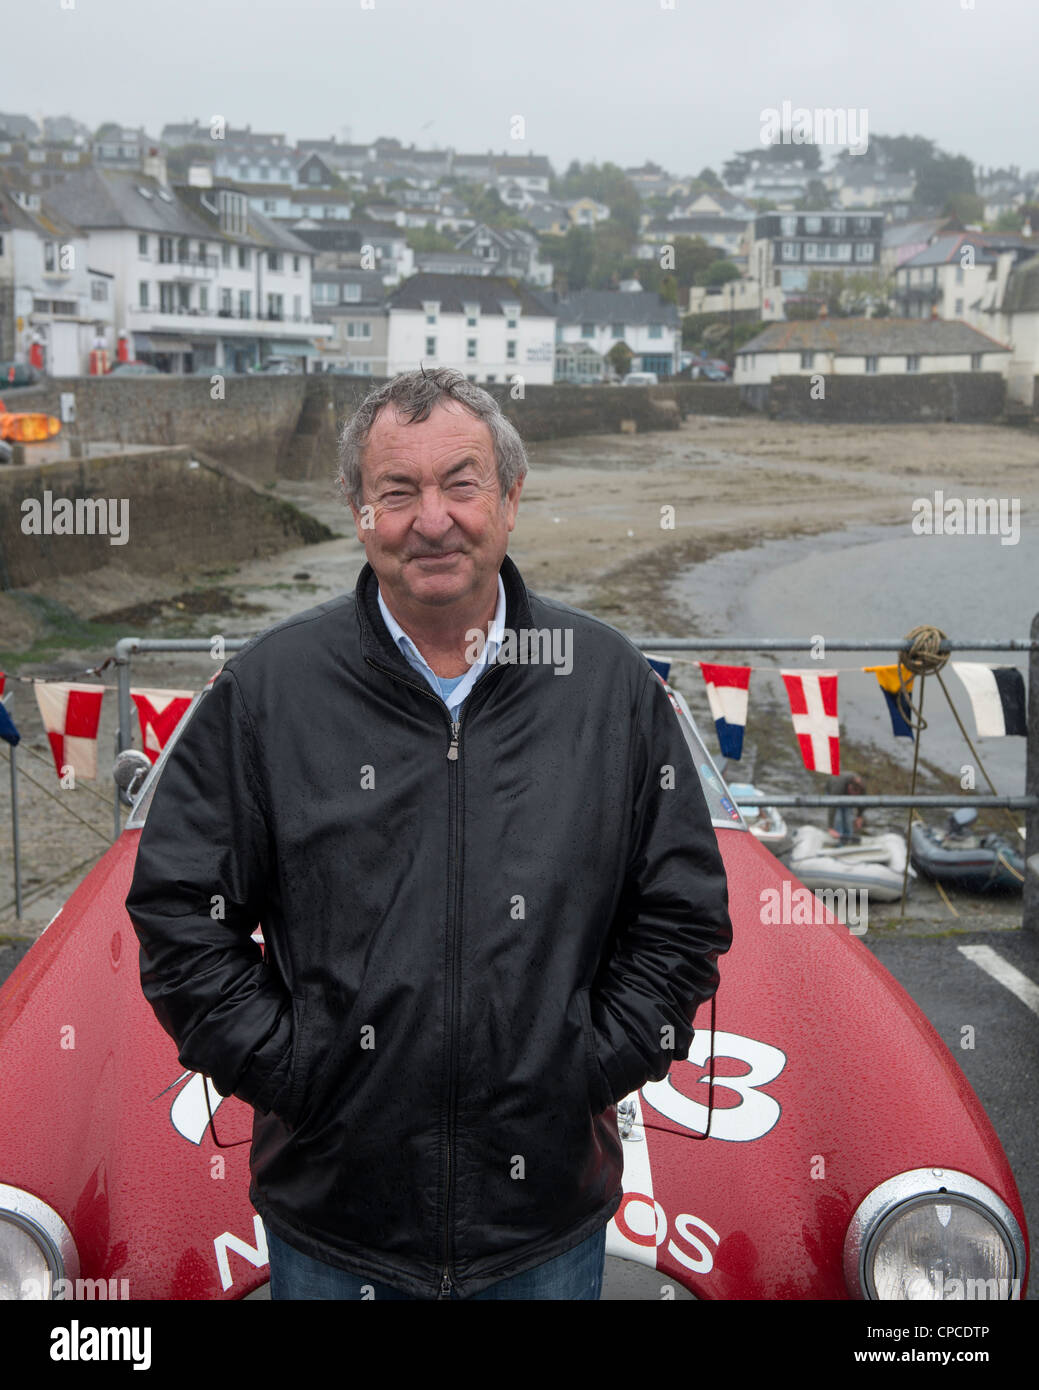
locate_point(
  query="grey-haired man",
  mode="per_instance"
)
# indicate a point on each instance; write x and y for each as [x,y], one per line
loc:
[490,893]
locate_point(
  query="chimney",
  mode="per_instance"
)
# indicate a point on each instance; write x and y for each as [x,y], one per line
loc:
[200,174]
[153,165]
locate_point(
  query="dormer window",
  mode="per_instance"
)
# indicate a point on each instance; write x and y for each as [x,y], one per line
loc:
[472,315]
[431,308]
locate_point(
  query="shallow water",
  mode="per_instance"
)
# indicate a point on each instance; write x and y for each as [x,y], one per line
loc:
[874,582]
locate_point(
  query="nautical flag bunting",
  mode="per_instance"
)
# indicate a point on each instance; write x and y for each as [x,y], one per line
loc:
[997,696]
[159,712]
[813,705]
[897,705]
[727,692]
[70,714]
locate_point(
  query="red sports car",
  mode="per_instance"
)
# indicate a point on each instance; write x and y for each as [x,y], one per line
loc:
[818,1141]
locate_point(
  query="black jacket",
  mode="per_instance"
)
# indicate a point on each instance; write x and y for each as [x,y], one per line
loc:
[472,951]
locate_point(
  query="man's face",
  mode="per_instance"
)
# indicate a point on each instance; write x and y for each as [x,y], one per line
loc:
[433,524]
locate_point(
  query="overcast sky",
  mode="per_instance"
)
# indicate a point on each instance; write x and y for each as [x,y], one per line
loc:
[681,82]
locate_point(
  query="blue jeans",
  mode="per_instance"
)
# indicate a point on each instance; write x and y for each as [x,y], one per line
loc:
[576,1274]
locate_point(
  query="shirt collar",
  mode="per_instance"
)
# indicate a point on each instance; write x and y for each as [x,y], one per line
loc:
[493,637]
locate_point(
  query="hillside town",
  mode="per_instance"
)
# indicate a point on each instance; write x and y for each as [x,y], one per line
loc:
[210,248]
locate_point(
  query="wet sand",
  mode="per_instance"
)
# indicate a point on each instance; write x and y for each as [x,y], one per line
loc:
[589,533]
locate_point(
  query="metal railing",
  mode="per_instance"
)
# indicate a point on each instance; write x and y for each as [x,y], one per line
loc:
[127,647]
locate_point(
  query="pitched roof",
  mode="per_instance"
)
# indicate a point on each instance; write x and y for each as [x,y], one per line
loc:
[98,197]
[611,306]
[873,337]
[455,291]
[945,250]
[1022,291]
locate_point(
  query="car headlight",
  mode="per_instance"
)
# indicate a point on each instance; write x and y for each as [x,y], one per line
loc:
[933,1233]
[36,1247]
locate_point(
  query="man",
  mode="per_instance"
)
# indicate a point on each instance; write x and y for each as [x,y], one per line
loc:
[490,893]
[845,822]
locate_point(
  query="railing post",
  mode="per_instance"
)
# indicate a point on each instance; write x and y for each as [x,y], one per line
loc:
[1030,903]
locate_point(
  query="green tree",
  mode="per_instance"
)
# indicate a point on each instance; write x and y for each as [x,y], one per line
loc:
[968,207]
[1011,220]
[620,358]
[426,239]
[719,273]
[709,178]
[941,178]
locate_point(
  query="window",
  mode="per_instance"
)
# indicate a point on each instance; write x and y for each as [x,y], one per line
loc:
[142,244]
[838,226]
[99,290]
[975,361]
[431,310]
[142,294]
[225,303]
[351,294]
[202,250]
[470,347]
[865,251]
[790,251]
[862,226]
[183,298]
[328,212]
[273,260]
[297,307]
[49,255]
[275,306]
[166,298]
[491,378]
[510,349]
[807,361]
[244,258]
[297,264]
[269,204]
[959,275]
[225,254]
[656,330]
[813,225]
[203,299]
[912,363]
[166,250]
[958,311]
[616,330]
[471,314]
[182,249]
[812,250]
[245,304]
[471,377]
[871,364]
[361,328]
[37,156]
[431,347]
[587,330]
[788,226]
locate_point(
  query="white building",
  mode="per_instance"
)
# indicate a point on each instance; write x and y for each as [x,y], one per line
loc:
[49,290]
[480,325]
[649,325]
[200,279]
[864,347]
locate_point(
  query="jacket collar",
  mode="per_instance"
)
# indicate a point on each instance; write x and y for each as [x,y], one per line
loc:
[376,640]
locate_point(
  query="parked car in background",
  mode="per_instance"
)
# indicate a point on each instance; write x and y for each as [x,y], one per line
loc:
[281,366]
[641,379]
[6,452]
[134,369]
[19,374]
[818,1141]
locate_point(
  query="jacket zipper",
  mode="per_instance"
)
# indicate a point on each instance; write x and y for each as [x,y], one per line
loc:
[452,756]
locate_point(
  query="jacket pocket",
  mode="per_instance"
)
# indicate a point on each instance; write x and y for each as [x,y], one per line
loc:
[297,1084]
[597,1089]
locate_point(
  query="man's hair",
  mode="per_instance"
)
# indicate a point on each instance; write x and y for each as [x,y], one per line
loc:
[413,396]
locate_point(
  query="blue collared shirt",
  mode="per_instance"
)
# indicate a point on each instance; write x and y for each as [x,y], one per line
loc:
[451,689]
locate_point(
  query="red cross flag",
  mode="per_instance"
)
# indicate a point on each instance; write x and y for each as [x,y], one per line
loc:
[70,714]
[813,704]
[159,712]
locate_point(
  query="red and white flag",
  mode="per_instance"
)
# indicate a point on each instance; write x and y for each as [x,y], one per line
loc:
[159,713]
[71,714]
[813,705]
